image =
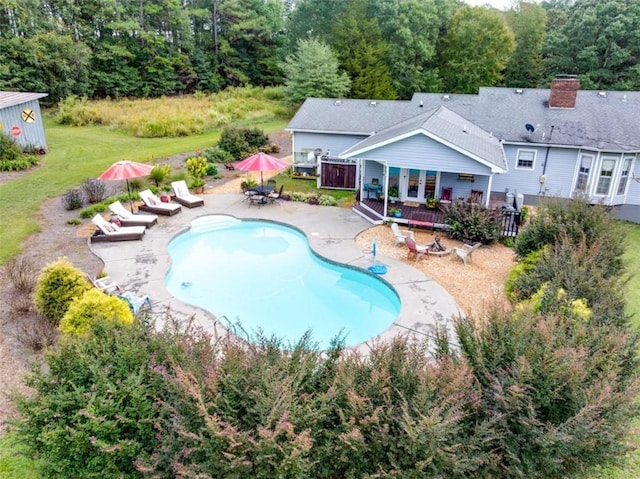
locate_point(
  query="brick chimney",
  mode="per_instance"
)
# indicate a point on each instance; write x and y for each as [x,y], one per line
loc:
[564,90]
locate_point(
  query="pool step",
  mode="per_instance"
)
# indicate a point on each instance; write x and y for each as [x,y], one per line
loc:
[213,222]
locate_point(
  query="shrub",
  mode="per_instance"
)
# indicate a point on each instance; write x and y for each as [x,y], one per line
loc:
[327,200]
[197,168]
[216,154]
[91,211]
[270,148]
[74,221]
[248,182]
[471,222]
[12,157]
[22,274]
[59,284]
[92,306]
[241,142]
[212,170]
[94,190]
[160,173]
[36,332]
[520,284]
[76,111]
[97,403]
[72,199]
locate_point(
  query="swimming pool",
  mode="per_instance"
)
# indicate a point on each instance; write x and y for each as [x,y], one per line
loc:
[265,276]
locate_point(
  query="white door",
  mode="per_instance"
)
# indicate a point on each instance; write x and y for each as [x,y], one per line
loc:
[412,184]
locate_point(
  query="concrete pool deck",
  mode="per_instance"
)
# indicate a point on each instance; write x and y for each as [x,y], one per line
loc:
[141,266]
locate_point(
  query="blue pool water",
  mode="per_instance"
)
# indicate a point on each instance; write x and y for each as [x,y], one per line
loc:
[265,276]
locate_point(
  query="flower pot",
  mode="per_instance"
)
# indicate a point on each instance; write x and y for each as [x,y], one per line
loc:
[397,214]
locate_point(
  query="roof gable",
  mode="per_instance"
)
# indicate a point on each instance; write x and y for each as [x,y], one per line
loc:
[446,127]
[13,98]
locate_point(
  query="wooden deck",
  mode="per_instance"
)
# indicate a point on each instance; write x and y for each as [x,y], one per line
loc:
[411,215]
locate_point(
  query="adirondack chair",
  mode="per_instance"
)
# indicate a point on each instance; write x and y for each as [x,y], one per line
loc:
[415,249]
[466,251]
[400,234]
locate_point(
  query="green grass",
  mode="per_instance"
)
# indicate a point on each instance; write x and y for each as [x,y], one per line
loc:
[309,186]
[13,463]
[78,153]
[632,262]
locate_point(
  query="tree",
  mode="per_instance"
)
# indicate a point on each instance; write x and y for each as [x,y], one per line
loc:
[525,68]
[412,28]
[312,71]
[600,42]
[476,49]
[362,52]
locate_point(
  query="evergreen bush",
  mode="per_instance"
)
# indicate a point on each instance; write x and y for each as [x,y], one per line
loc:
[160,173]
[473,223]
[58,285]
[12,158]
[215,154]
[92,306]
[242,142]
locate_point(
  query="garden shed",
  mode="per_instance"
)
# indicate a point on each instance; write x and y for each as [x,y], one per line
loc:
[21,120]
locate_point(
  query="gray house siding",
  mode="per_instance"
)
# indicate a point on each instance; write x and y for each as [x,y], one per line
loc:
[374,170]
[462,189]
[421,152]
[31,133]
[633,191]
[333,143]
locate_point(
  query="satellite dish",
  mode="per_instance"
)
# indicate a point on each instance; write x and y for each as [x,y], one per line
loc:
[530,128]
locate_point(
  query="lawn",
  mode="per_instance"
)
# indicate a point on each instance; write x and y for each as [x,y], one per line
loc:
[78,153]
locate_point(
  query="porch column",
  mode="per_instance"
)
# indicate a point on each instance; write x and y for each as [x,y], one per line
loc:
[386,188]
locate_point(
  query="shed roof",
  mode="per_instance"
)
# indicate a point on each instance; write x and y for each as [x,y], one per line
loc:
[13,98]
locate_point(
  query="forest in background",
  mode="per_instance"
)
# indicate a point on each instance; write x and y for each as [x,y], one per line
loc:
[388,48]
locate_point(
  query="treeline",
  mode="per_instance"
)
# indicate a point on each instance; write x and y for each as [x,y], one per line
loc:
[388,48]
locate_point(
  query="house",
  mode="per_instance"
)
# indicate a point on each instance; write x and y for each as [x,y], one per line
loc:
[21,120]
[500,144]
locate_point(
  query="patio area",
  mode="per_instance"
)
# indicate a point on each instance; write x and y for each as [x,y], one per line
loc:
[142,265]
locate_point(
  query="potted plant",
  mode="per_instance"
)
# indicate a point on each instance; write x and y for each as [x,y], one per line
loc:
[165,196]
[396,212]
[393,192]
[432,202]
[197,168]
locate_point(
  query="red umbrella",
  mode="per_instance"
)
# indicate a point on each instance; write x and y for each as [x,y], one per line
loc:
[261,162]
[125,169]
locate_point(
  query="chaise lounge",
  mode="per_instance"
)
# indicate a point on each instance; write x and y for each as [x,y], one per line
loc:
[183,196]
[153,204]
[112,232]
[129,219]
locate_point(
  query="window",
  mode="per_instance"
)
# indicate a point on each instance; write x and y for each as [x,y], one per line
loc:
[526,159]
[582,183]
[624,175]
[606,174]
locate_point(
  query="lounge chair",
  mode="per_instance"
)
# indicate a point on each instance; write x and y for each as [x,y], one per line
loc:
[400,234]
[153,204]
[466,251]
[129,219]
[184,197]
[416,249]
[135,302]
[112,232]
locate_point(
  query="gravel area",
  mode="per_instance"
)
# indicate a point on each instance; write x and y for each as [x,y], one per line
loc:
[474,287]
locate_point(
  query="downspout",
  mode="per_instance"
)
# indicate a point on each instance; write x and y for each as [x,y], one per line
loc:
[543,176]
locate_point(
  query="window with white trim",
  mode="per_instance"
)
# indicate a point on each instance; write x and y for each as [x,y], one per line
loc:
[526,159]
[624,175]
[606,175]
[582,182]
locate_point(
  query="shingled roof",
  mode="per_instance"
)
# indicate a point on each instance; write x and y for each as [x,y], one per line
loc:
[447,127]
[599,120]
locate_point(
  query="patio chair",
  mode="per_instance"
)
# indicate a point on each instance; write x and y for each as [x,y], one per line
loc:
[273,196]
[476,197]
[446,196]
[112,232]
[129,219]
[415,249]
[153,204]
[400,234]
[466,251]
[184,197]
[135,302]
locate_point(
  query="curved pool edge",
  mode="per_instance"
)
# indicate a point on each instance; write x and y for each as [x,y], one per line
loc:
[331,233]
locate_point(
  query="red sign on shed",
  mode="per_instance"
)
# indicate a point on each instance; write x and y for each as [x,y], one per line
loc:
[16,131]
